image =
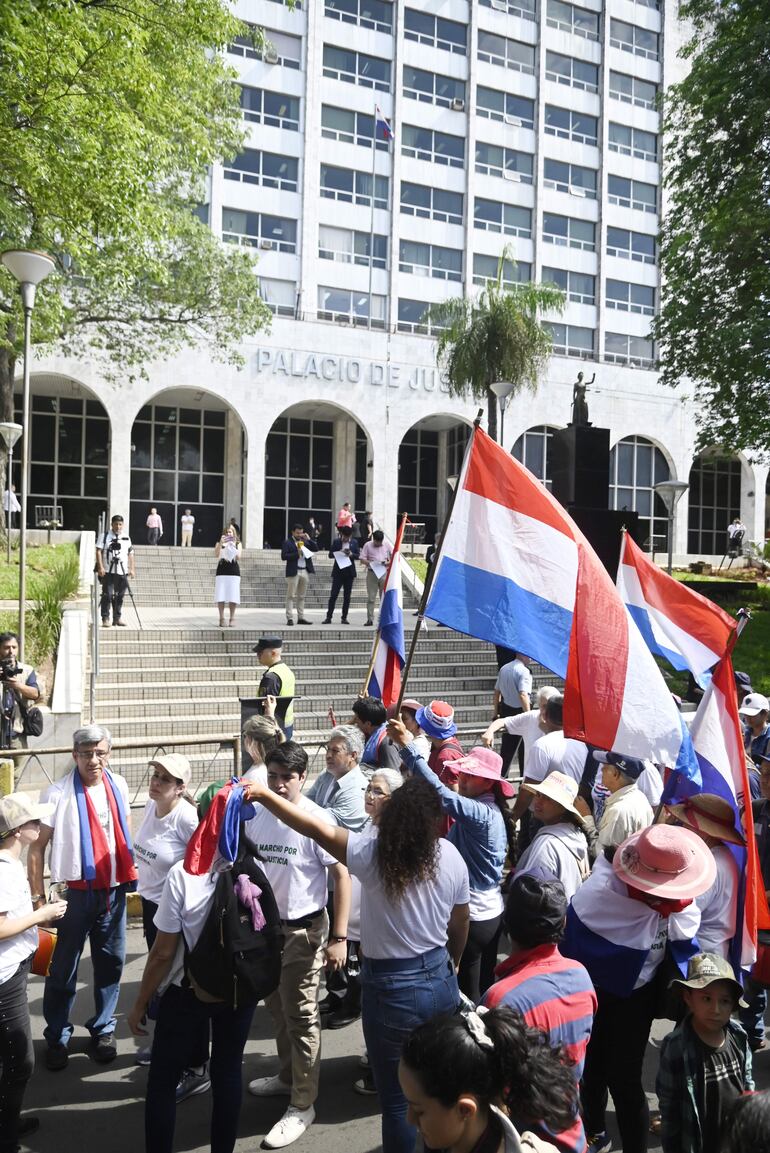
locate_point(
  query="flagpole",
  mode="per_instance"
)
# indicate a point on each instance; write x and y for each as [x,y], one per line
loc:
[429,578]
[399,538]
[371,227]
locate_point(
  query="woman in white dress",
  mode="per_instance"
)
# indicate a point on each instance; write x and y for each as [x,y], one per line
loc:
[227,586]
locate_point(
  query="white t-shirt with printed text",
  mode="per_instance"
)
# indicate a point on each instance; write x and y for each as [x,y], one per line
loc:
[159,843]
[294,865]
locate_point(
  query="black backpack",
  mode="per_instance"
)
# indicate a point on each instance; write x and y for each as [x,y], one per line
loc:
[231,961]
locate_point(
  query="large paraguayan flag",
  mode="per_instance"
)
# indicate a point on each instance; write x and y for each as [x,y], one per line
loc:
[390,654]
[516,570]
[688,630]
[382,124]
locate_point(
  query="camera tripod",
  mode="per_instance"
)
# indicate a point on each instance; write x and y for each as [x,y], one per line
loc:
[114,563]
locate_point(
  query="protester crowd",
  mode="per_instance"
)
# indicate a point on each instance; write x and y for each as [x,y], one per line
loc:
[507,948]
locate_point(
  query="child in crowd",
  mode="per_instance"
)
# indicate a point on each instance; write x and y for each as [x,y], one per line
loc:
[747,1125]
[705,1064]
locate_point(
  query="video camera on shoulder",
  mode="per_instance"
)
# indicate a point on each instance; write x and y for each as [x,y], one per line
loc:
[9,669]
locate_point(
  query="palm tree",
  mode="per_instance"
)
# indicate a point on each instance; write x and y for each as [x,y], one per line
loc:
[494,336]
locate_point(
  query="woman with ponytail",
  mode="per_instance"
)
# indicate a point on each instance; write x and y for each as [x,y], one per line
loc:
[479,1082]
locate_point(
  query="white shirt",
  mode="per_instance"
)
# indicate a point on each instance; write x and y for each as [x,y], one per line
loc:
[651,783]
[15,901]
[560,850]
[418,921]
[294,865]
[719,905]
[188,522]
[183,908]
[159,843]
[513,679]
[527,726]
[626,811]
[102,546]
[573,759]
[545,756]
[98,797]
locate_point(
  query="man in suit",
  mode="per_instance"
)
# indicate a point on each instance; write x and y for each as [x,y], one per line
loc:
[344,552]
[296,551]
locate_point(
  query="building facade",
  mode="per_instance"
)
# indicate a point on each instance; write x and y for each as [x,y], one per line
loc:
[531,124]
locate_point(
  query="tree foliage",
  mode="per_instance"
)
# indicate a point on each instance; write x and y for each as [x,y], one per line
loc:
[714,326]
[111,113]
[497,335]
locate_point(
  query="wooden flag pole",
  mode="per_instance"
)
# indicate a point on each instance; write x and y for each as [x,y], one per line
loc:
[399,538]
[429,579]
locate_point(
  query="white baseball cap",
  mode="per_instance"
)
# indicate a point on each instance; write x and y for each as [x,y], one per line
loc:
[16,809]
[753,704]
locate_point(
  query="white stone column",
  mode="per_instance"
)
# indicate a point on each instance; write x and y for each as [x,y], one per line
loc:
[254,488]
[344,486]
[120,469]
[755,501]
[233,468]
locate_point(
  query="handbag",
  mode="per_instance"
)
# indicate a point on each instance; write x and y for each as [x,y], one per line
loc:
[32,720]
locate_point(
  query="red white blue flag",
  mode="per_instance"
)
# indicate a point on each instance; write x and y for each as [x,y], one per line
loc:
[382,125]
[390,653]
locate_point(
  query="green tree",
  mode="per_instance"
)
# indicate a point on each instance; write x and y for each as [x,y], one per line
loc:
[496,335]
[111,113]
[714,325]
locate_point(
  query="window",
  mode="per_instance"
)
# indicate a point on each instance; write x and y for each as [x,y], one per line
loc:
[620,348]
[628,297]
[265,168]
[633,142]
[571,340]
[570,18]
[349,247]
[569,232]
[431,203]
[631,245]
[632,194]
[714,500]
[430,260]
[350,127]
[509,219]
[514,271]
[356,68]
[435,147]
[532,449]
[344,306]
[432,88]
[572,178]
[506,53]
[374,14]
[412,317]
[576,286]
[632,38]
[257,229]
[279,48]
[280,296]
[263,107]
[418,475]
[492,160]
[435,31]
[632,90]
[505,107]
[575,73]
[636,466]
[522,8]
[571,125]
[353,187]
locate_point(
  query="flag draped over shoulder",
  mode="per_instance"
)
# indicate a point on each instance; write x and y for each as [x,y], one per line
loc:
[516,570]
[389,651]
[682,626]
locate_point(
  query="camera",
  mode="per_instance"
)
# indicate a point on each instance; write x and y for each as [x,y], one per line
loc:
[9,669]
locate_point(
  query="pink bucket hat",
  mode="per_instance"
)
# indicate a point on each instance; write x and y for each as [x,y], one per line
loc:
[482,762]
[666,861]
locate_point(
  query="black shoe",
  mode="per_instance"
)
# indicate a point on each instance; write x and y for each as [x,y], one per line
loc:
[328,621]
[56,1058]
[302,621]
[368,623]
[103,1048]
[27,1126]
[341,1018]
[328,1005]
[344,621]
[290,623]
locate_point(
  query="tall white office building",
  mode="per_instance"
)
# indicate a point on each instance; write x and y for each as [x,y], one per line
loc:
[393,149]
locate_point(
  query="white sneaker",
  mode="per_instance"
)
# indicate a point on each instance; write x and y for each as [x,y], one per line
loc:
[290,1128]
[269,1087]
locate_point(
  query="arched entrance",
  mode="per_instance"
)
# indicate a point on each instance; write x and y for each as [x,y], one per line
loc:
[430,452]
[187,451]
[316,457]
[69,453]
[636,466]
[714,501]
[533,450]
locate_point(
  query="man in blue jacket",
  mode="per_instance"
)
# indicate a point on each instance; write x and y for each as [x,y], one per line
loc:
[296,552]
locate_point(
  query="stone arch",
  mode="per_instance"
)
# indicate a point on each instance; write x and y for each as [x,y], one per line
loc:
[637,464]
[531,448]
[431,451]
[715,479]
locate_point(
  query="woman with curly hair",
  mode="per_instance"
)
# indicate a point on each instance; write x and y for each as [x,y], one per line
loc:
[459,1073]
[414,925]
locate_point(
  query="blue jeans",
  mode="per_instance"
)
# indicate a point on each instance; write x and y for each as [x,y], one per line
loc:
[98,915]
[399,995]
[182,1020]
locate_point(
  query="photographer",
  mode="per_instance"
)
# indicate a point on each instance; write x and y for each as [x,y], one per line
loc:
[114,565]
[20,691]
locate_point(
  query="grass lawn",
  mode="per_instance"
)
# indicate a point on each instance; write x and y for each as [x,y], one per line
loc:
[39,561]
[418,566]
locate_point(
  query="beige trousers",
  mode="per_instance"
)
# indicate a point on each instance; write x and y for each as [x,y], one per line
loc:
[296,587]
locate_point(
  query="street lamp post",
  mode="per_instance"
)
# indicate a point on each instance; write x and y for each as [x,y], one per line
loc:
[29,268]
[10,432]
[670,492]
[502,390]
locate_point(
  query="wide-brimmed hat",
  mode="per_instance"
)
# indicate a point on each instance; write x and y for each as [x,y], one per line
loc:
[666,861]
[560,788]
[175,765]
[710,814]
[704,969]
[486,763]
[16,809]
[753,704]
[631,767]
[437,720]
[407,703]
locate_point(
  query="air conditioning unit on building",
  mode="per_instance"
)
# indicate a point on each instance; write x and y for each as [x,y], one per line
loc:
[578,191]
[508,175]
[270,56]
[500,5]
[266,244]
[458,105]
[514,120]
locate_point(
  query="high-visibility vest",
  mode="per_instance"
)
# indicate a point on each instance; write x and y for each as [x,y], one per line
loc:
[288,683]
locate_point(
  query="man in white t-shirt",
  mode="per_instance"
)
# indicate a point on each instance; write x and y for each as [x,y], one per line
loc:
[89,833]
[188,524]
[297,870]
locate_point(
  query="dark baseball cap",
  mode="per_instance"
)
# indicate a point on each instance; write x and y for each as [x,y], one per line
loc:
[267,643]
[630,766]
[535,910]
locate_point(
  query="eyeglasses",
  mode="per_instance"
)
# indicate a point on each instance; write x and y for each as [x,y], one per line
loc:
[376,792]
[99,755]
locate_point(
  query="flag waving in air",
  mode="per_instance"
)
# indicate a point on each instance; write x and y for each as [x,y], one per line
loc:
[389,652]
[516,570]
[382,125]
[688,630]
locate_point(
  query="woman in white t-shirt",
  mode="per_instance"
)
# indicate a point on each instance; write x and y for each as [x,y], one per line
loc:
[414,925]
[261,734]
[19,827]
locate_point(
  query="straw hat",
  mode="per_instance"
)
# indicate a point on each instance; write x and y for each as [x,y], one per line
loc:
[560,788]
[484,763]
[666,861]
[710,814]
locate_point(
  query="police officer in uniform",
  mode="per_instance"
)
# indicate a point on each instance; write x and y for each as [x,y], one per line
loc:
[114,565]
[277,681]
